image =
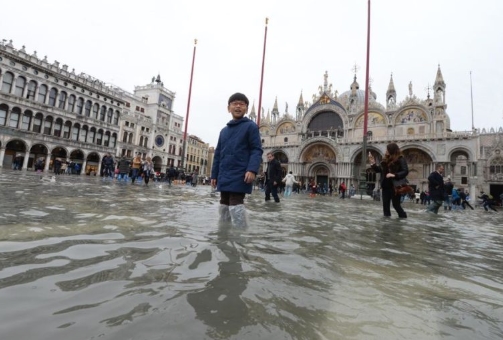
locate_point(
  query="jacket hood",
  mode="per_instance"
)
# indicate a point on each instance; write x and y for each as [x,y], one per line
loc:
[233,122]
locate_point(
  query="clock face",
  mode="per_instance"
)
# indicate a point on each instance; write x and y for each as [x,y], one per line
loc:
[159,140]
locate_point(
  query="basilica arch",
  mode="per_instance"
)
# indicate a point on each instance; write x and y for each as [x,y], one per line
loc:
[460,165]
[420,163]
[320,174]
[326,122]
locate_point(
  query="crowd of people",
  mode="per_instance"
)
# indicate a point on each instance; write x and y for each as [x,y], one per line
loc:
[60,166]
[142,169]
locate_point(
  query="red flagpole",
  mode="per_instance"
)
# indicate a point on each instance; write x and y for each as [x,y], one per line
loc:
[366,108]
[262,74]
[188,105]
[363,169]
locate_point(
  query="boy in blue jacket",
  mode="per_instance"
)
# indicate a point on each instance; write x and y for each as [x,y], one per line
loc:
[236,162]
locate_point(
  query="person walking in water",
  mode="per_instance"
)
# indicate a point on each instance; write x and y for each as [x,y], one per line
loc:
[273,178]
[148,167]
[289,181]
[136,167]
[393,167]
[236,162]
[436,189]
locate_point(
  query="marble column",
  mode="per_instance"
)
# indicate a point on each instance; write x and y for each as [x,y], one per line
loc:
[2,155]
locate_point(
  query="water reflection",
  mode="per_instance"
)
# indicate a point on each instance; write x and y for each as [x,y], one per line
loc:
[87,259]
[220,304]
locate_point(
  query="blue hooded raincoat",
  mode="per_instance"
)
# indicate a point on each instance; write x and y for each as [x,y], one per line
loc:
[239,150]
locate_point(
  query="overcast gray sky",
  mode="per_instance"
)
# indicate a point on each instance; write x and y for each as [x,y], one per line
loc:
[127,42]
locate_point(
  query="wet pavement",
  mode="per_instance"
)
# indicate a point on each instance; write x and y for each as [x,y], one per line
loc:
[83,258]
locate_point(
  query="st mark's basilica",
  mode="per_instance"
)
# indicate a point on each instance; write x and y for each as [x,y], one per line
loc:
[322,140]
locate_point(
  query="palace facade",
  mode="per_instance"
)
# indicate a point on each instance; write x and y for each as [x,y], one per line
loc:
[322,140]
[48,111]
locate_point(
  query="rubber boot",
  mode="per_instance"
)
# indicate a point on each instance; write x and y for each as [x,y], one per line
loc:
[223,211]
[238,216]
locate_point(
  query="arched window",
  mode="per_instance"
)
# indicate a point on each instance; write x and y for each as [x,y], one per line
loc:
[14,117]
[113,141]
[103,113]
[87,109]
[75,132]
[62,100]
[8,78]
[20,84]
[80,104]
[58,126]
[52,97]
[141,140]
[285,140]
[42,93]
[110,115]
[3,114]
[99,137]
[96,108]
[369,135]
[47,125]
[71,103]
[496,168]
[145,142]
[32,87]
[106,139]
[92,133]
[124,137]
[116,117]
[37,122]
[130,139]
[83,134]
[66,129]
[25,123]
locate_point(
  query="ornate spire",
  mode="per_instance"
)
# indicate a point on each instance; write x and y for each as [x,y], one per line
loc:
[439,80]
[391,94]
[275,107]
[439,89]
[252,112]
[391,86]
[301,100]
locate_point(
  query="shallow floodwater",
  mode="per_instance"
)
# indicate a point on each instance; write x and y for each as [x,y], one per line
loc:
[83,258]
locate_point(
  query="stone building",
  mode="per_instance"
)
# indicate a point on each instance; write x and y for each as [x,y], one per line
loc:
[197,156]
[322,140]
[49,112]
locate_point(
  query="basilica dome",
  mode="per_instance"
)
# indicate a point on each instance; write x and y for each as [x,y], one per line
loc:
[360,95]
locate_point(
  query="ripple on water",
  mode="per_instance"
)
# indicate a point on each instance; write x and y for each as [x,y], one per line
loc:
[33,212]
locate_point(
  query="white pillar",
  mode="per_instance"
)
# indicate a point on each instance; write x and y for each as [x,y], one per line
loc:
[2,155]
[25,160]
[83,167]
[47,161]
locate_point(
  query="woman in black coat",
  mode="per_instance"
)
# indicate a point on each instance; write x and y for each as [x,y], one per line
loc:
[392,168]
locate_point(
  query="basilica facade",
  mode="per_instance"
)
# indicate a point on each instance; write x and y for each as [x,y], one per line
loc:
[323,140]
